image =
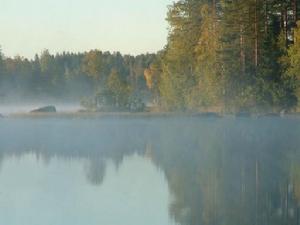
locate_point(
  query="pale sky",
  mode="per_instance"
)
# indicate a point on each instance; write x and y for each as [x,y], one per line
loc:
[129,26]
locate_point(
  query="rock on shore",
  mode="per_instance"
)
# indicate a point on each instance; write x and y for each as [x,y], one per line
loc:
[46,109]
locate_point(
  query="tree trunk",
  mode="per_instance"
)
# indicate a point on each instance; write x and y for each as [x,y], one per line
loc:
[266,17]
[256,36]
[286,26]
[214,10]
[242,52]
[295,10]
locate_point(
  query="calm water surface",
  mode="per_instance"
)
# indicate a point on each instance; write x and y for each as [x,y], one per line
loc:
[186,171]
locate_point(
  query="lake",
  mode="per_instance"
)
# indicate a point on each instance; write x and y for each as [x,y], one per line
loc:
[129,171]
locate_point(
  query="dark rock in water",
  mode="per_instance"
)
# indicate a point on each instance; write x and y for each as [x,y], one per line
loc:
[46,109]
[1,116]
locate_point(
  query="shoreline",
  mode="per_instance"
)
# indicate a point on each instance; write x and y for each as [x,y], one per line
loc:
[82,115]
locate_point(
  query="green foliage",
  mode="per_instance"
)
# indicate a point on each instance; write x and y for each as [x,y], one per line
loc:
[293,71]
[119,89]
[92,64]
[136,104]
[178,61]
[207,91]
[231,55]
[69,76]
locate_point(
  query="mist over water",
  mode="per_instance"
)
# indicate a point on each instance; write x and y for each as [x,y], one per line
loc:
[204,131]
[183,171]
[7,109]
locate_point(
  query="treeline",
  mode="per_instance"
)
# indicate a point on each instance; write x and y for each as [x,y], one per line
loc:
[235,55]
[221,55]
[70,76]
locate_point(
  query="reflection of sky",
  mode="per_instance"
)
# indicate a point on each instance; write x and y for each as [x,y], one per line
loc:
[59,193]
[130,26]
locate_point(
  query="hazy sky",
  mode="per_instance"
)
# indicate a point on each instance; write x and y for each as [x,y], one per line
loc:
[130,26]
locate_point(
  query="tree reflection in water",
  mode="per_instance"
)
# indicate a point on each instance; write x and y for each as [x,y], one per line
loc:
[220,171]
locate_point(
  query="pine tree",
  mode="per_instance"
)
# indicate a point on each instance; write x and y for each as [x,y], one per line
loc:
[207,90]
[178,65]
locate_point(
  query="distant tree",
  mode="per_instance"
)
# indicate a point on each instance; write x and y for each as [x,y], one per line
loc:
[152,76]
[2,65]
[293,71]
[93,65]
[2,75]
[119,89]
[69,75]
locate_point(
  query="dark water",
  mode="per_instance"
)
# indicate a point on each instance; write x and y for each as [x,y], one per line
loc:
[186,171]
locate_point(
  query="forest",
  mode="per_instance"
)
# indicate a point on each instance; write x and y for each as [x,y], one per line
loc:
[221,55]
[237,55]
[72,77]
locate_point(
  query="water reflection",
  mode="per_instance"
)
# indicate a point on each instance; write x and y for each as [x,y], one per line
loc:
[219,171]
[95,171]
